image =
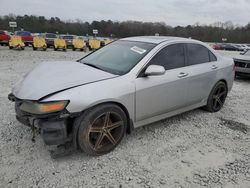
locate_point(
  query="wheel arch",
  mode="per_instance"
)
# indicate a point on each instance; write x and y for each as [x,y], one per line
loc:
[129,128]
[224,81]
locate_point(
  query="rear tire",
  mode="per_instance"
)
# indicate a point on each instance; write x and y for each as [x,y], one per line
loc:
[217,97]
[101,129]
[55,49]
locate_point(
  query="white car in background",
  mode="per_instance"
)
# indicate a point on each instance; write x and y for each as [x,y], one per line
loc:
[242,64]
[245,47]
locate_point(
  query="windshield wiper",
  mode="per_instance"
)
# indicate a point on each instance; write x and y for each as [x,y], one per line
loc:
[92,65]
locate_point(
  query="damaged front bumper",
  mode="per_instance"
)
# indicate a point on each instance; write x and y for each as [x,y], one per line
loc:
[55,128]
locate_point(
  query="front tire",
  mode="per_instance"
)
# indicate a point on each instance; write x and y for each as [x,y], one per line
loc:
[217,97]
[101,129]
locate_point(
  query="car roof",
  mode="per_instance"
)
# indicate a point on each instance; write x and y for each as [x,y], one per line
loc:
[63,35]
[156,39]
[22,31]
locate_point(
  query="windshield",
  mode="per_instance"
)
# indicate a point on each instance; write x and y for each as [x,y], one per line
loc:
[118,57]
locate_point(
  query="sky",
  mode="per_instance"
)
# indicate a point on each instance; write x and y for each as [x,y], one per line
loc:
[172,12]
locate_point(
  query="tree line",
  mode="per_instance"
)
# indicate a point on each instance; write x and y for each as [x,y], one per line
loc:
[209,33]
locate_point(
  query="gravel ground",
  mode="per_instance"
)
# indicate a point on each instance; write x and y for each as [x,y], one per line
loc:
[194,149]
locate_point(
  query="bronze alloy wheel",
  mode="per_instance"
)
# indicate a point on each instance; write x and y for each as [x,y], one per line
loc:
[105,131]
[101,129]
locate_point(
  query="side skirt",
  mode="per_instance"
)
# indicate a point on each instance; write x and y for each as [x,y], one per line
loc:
[167,115]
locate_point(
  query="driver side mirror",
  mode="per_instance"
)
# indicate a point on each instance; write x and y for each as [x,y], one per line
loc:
[154,70]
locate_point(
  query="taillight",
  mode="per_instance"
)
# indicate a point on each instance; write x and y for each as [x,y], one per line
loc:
[234,67]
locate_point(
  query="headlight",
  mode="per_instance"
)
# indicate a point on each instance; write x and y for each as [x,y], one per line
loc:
[43,108]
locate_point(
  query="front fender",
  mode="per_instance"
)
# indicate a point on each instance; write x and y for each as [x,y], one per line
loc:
[118,90]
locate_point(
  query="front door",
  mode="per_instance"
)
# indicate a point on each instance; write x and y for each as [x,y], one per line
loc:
[157,95]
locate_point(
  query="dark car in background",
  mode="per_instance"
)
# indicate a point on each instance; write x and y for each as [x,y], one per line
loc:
[49,37]
[231,47]
[242,64]
[4,37]
[68,39]
[26,37]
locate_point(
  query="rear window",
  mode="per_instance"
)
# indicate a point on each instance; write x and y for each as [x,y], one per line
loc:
[2,32]
[197,54]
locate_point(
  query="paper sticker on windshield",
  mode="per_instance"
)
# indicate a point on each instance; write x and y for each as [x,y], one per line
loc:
[138,50]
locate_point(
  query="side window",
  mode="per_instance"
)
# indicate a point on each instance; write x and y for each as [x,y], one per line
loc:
[170,57]
[212,57]
[197,54]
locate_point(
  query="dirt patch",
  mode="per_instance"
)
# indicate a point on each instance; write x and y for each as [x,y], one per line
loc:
[235,125]
[231,172]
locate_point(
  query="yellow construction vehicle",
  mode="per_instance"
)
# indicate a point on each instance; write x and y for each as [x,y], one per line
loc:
[94,44]
[39,42]
[78,44]
[107,41]
[60,43]
[16,42]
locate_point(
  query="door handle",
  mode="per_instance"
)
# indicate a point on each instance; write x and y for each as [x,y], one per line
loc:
[214,67]
[182,74]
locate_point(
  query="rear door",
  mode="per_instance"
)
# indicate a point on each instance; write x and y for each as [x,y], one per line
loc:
[202,68]
[157,95]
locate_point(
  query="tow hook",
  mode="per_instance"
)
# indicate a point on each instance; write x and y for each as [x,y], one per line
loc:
[34,129]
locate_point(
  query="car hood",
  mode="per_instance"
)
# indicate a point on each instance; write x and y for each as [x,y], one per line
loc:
[242,57]
[51,77]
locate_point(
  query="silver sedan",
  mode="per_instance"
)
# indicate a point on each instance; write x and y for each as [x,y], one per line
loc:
[91,103]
